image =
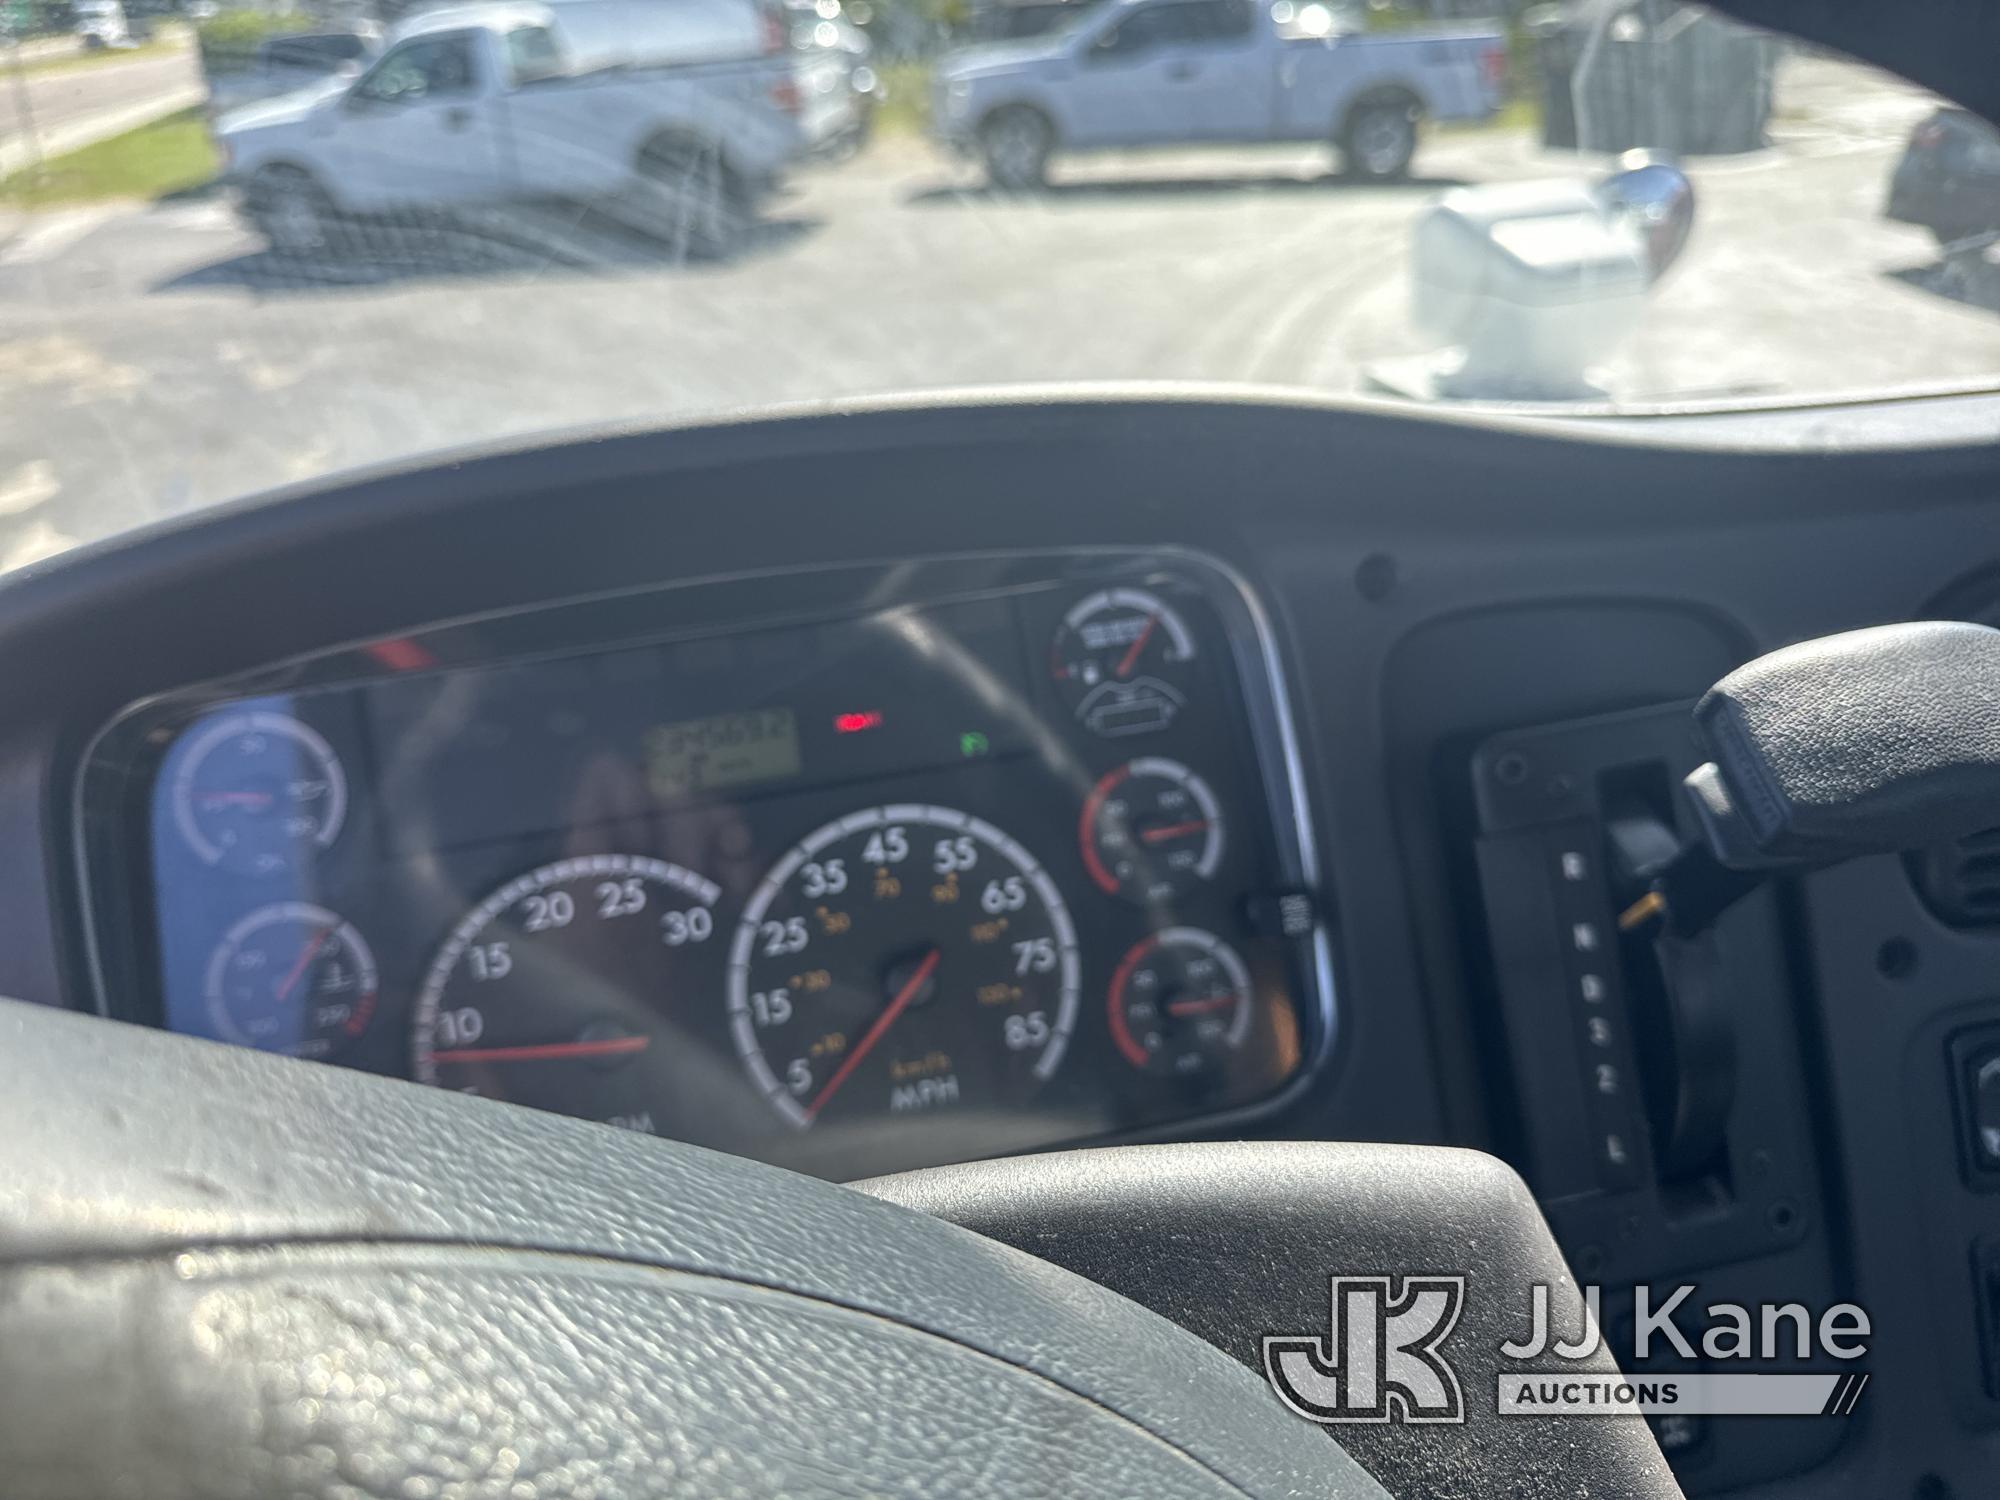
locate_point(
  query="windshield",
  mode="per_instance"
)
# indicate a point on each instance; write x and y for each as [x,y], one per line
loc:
[218,277]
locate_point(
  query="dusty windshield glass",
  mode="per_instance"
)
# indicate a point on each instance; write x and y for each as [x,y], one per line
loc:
[241,247]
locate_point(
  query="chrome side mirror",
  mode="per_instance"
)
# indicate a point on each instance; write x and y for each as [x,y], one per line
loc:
[1654,198]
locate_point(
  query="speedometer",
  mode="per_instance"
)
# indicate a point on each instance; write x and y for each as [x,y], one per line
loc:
[902,960]
[554,990]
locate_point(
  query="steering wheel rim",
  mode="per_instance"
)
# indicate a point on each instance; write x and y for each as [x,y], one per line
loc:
[250,1275]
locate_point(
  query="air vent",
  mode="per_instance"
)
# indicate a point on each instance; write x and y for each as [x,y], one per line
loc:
[1961,881]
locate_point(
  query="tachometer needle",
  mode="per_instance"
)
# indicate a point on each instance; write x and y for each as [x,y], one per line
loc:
[1131,657]
[912,987]
[610,1046]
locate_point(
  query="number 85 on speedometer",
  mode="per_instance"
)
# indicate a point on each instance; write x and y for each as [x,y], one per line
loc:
[902,960]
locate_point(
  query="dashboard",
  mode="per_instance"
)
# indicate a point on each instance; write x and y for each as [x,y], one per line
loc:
[1268,726]
[1014,866]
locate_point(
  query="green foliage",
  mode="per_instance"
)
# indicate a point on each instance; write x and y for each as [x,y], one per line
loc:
[228,40]
[167,156]
[1389,19]
[30,18]
[933,14]
[1524,72]
[906,103]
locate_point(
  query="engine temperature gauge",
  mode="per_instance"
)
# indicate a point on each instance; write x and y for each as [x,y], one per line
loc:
[1151,829]
[1180,1003]
[1120,656]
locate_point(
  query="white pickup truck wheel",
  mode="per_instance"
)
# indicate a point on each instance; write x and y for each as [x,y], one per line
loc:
[292,211]
[1015,143]
[693,203]
[1379,139]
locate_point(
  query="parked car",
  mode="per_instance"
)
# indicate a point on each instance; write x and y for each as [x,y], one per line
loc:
[1949,178]
[1180,72]
[674,119]
[286,64]
[102,24]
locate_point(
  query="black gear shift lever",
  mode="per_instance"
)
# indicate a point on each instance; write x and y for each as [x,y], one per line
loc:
[1870,742]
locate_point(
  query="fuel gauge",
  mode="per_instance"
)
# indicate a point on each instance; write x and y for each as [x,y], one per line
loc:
[1120,657]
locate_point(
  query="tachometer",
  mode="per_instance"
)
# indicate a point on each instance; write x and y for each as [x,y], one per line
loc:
[257,791]
[554,989]
[291,977]
[899,961]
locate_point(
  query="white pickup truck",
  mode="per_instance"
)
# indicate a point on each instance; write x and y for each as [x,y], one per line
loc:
[484,105]
[1131,73]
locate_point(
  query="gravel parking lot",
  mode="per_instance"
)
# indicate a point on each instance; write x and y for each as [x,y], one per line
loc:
[154,358]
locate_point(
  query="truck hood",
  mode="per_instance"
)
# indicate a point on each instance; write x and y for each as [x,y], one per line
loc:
[286,109]
[999,57]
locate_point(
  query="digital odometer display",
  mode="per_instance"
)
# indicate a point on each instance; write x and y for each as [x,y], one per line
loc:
[724,750]
[852,896]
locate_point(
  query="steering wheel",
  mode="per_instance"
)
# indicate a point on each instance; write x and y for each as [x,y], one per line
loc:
[241,1275]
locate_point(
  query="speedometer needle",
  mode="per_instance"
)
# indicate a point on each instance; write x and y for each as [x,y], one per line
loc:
[912,987]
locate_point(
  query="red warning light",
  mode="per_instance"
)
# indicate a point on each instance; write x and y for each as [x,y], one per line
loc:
[854,723]
[402,656]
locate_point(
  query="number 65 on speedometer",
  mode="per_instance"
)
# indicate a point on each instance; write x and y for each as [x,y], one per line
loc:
[902,960]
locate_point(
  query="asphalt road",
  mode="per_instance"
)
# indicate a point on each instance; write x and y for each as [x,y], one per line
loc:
[64,104]
[156,359]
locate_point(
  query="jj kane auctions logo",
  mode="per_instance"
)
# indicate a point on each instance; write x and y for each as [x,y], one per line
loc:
[1383,1358]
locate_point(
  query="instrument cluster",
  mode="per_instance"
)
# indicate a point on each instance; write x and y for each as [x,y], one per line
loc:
[852,890]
